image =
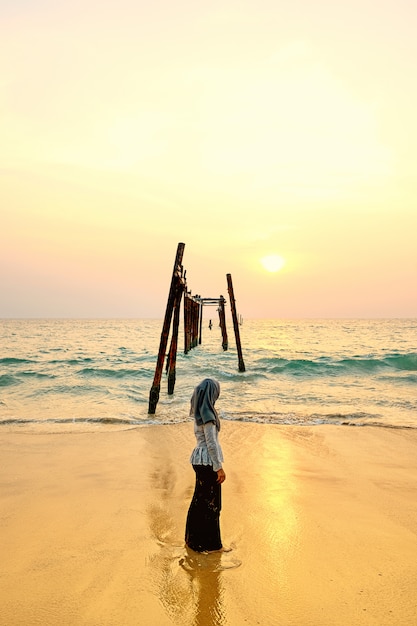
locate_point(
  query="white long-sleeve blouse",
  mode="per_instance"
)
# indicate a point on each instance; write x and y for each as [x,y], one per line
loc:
[207,450]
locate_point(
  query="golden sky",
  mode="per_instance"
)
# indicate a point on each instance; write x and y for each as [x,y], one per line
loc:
[243,129]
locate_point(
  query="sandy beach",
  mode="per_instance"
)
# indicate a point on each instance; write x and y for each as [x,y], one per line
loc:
[322,521]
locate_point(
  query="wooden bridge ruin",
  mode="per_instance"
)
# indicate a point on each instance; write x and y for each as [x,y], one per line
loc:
[193,319]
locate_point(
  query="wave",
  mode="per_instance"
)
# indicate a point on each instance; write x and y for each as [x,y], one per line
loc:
[79,361]
[405,378]
[7,380]
[329,366]
[407,362]
[77,390]
[114,373]
[84,424]
[357,419]
[11,360]
[71,420]
[302,419]
[40,375]
[277,419]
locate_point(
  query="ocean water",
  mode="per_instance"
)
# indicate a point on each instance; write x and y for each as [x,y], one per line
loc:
[84,375]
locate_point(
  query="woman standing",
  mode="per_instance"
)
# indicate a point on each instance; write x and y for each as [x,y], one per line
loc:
[202,531]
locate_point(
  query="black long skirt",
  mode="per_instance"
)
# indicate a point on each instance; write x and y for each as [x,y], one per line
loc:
[202,530]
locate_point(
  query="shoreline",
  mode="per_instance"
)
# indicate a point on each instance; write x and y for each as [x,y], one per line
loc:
[322,521]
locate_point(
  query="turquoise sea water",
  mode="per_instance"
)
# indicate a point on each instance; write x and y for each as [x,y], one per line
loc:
[71,375]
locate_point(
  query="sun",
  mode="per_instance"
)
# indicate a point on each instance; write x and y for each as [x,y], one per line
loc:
[273,262]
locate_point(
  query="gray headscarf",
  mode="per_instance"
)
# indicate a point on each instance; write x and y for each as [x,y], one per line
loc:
[203,400]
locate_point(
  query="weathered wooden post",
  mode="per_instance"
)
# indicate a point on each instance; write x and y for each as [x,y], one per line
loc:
[187,323]
[172,356]
[201,322]
[196,312]
[235,322]
[176,278]
[222,320]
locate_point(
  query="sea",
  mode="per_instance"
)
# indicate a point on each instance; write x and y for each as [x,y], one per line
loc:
[76,375]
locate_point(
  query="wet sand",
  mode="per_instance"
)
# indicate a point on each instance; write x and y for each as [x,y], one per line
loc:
[322,521]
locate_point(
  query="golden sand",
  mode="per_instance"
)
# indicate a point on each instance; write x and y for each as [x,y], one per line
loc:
[322,521]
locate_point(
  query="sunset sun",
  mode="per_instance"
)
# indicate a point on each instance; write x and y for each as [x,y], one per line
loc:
[273,262]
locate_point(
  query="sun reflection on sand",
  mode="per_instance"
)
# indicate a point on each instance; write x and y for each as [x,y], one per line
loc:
[189,585]
[269,528]
[206,588]
[277,491]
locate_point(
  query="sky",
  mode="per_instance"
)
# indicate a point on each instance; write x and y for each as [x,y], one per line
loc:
[243,129]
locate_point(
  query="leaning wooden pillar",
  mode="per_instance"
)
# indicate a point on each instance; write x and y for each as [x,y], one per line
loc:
[235,322]
[222,320]
[176,277]
[172,356]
